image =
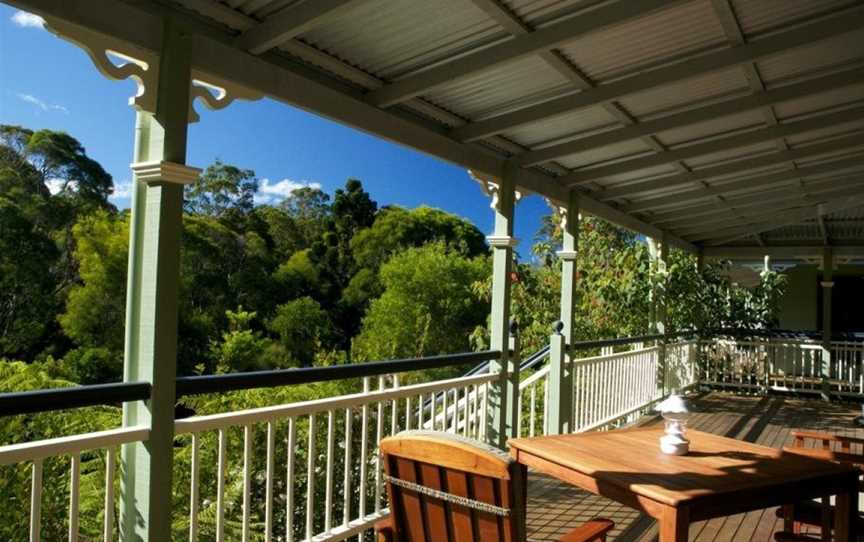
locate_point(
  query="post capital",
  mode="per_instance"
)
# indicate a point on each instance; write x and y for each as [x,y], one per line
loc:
[567,255]
[502,241]
[166,172]
[827,283]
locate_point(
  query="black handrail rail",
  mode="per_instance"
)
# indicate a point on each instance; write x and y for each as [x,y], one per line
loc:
[27,402]
[585,345]
[196,385]
[46,400]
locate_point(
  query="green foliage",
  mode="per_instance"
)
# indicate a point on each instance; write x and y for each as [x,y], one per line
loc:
[241,348]
[300,325]
[95,307]
[27,295]
[428,305]
[222,191]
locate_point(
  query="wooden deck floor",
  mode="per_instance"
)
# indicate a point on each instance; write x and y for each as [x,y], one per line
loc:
[554,507]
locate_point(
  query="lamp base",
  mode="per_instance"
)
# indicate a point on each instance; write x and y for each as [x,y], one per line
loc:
[674,445]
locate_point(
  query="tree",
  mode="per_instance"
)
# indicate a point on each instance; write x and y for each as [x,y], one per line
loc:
[301,324]
[429,305]
[222,191]
[309,208]
[96,306]
[241,349]
[60,159]
[27,284]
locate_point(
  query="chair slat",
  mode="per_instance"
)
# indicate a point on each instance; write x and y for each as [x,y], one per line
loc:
[460,516]
[412,525]
[434,509]
[487,524]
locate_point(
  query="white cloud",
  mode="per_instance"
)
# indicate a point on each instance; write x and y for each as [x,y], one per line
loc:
[122,192]
[27,20]
[41,104]
[55,186]
[270,192]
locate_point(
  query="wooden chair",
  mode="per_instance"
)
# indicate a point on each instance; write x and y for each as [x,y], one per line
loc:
[811,513]
[444,487]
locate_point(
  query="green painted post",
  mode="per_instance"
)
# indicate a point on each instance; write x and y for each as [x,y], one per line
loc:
[827,331]
[568,254]
[659,254]
[501,395]
[514,360]
[153,285]
[560,387]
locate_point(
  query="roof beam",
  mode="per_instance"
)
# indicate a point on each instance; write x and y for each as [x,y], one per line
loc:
[546,38]
[792,252]
[753,137]
[693,116]
[779,193]
[290,23]
[214,54]
[790,218]
[732,28]
[558,62]
[693,227]
[732,168]
[807,34]
[686,198]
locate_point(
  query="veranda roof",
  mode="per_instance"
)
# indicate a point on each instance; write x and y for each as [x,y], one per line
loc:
[720,122]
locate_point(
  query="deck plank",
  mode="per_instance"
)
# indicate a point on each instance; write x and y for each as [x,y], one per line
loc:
[554,507]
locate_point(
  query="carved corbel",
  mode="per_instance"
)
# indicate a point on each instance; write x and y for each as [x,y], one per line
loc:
[216,94]
[128,62]
[119,61]
[491,188]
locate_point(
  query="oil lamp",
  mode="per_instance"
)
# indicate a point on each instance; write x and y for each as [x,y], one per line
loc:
[675,415]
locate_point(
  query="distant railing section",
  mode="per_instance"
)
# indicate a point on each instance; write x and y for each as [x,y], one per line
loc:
[763,364]
[612,388]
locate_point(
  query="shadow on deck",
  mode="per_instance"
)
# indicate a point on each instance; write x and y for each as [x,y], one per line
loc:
[555,507]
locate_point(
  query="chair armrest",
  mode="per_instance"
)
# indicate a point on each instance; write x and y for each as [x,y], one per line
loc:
[592,531]
[828,455]
[384,530]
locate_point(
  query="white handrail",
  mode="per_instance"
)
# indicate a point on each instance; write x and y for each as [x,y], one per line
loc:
[41,449]
[272,413]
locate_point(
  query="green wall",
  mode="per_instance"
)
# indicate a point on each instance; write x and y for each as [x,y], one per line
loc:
[799,309]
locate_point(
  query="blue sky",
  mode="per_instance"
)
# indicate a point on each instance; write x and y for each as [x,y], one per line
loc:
[46,82]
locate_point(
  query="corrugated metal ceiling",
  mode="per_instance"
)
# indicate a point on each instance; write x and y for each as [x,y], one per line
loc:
[376,42]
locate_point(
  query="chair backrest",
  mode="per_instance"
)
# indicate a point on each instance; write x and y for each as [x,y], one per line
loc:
[443,487]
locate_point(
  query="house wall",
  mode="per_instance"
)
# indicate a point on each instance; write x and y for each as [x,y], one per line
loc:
[799,309]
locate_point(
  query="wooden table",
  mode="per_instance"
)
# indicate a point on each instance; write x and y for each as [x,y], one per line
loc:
[719,477]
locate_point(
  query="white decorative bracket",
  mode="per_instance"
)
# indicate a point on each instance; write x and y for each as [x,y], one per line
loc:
[166,172]
[117,60]
[137,64]
[492,189]
[561,210]
[217,94]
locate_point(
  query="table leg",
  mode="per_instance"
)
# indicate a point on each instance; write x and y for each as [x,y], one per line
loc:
[846,512]
[674,524]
